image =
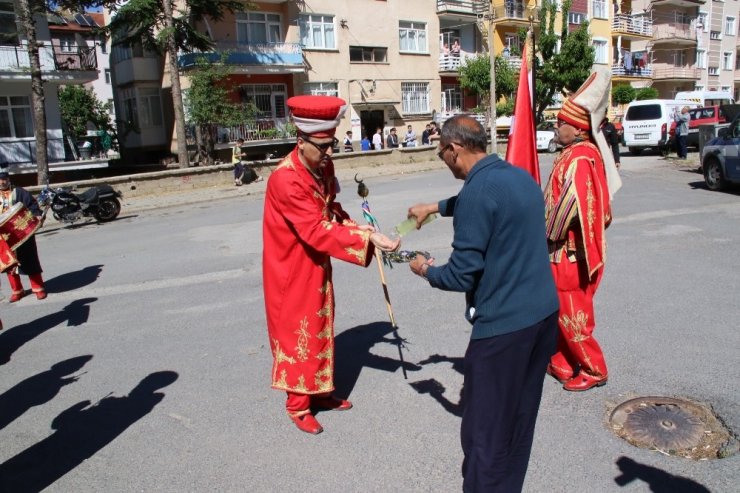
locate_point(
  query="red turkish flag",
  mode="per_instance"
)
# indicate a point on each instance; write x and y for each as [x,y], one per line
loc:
[522,148]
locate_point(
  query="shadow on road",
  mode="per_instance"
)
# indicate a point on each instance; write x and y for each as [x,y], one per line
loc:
[38,389]
[75,314]
[352,349]
[435,389]
[658,480]
[80,432]
[74,280]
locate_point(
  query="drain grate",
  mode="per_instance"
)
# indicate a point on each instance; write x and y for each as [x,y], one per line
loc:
[673,426]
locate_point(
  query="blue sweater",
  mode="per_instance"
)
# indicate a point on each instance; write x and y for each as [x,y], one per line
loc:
[499,256]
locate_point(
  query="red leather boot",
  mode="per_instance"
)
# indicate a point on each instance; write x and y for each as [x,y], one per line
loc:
[331,403]
[16,287]
[37,285]
[584,381]
[307,423]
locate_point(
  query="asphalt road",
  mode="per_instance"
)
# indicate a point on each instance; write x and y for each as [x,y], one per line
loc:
[148,367]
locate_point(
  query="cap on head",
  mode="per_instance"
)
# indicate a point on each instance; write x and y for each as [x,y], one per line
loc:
[4,173]
[574,115]
[318,116]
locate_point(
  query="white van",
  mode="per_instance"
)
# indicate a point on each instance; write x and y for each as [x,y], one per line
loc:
[647,123]
[706,98]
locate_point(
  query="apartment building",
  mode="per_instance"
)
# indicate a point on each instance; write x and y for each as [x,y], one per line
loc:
[60,64]
[718,39]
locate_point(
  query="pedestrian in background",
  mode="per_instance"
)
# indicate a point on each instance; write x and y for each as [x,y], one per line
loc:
[392,140]
[499,260]
[378,139]
[682,131]
[410,139]
[348,142]
[365,143]
[612,138]
[425,135]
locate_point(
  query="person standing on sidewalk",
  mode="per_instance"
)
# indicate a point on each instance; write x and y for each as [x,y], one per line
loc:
[577,213]
[27,253]
[499,260]
[303,227]
[682,131]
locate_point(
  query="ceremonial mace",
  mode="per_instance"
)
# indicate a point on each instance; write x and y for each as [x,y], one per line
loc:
[363,192]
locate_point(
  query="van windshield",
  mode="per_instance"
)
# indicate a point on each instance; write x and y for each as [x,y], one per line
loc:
[644,112]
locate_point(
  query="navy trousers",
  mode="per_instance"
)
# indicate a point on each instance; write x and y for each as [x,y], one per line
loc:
[501,397]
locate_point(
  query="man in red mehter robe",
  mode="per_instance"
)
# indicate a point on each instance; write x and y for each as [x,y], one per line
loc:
[303,226]
[577,213]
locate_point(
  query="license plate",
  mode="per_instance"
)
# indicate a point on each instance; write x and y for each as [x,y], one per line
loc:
[642,136]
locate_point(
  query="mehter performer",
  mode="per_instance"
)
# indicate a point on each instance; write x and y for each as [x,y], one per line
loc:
[303,227]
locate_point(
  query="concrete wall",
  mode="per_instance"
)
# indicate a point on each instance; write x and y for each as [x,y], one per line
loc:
[182,180]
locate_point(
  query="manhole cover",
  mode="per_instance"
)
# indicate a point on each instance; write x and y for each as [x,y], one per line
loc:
[673,426]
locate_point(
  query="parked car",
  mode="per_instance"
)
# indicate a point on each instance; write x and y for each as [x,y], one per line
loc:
[720,157]
[546,140]
[707,115]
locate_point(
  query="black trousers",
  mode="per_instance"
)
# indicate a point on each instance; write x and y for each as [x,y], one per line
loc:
[501,397]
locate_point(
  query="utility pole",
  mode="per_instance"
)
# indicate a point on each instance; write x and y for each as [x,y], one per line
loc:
[492,89]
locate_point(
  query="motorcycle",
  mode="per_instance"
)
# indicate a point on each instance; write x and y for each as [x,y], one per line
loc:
[101,202]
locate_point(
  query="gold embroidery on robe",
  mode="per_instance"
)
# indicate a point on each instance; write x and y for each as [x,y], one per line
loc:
[359,254]
[301,387]
[591,213]
[283,380]
[303,336]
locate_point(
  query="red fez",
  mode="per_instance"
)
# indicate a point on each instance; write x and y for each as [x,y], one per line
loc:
[317,115]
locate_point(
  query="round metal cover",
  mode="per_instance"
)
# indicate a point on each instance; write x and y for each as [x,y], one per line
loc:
[675,426]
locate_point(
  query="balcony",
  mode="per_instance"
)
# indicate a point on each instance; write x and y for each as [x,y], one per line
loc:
[256,58]
[675,73]
[465,7]
[637,26]
[68,66]
[451,63]
[514,14]
[262,129]
[675,33]
[619,72]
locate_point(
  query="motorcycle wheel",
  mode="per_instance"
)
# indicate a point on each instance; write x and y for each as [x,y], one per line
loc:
[57,216]
[108,210]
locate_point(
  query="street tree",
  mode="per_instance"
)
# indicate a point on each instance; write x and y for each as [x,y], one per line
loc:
[80,108]
[564,70]
[623,94]
[475,77]
[159,26]
[209,104]
[644,93]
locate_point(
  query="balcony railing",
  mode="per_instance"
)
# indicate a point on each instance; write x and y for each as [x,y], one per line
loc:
[670,73]
[472,7]
[451,63]
[674,31]
[261,54]
[632,24]
[16,58]
[642,72]
[260,129]
[514,11]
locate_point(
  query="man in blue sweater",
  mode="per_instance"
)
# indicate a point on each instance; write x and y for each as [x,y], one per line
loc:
[500,261]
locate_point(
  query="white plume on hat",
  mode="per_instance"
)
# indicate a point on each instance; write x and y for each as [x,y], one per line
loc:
[593,96]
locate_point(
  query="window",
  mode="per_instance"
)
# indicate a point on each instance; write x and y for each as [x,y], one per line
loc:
[698,87]
[725,88]
[575,18]
[415,97]
[366,54]
[8,27]
[730,26]
[701,59]
[715,35]
[412,37]
[701,21]
[268,98]
[599,9]
[258,27]
[452,98]
[321,89]
[150,107]
[317,31]
[15,117]
[130,112]
[126,52]
[713,70]
[111,108]
[727,60]
[107,76]
[600,55]
[67,43]
[681,17]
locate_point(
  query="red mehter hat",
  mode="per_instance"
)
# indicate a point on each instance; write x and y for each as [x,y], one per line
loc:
[574,114]
[317,115]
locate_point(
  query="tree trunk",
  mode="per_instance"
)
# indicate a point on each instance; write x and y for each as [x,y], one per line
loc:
[28,24]
[182,145]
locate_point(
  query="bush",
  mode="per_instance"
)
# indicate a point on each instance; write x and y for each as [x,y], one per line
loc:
[646,93]
[623,94]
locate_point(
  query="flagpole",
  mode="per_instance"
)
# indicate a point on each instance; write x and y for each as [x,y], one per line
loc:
[492,88]
[533,66]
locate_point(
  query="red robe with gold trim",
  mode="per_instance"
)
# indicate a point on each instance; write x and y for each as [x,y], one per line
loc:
[302,228]
[577,213]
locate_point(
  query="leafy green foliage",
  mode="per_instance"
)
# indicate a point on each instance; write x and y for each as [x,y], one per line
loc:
[79,107]
[566,70]
[623,93]
[208,99]
[646,93]
[475,77]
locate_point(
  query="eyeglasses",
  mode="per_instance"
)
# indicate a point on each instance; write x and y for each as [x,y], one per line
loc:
[441,153]
[325,146]
[560,123]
